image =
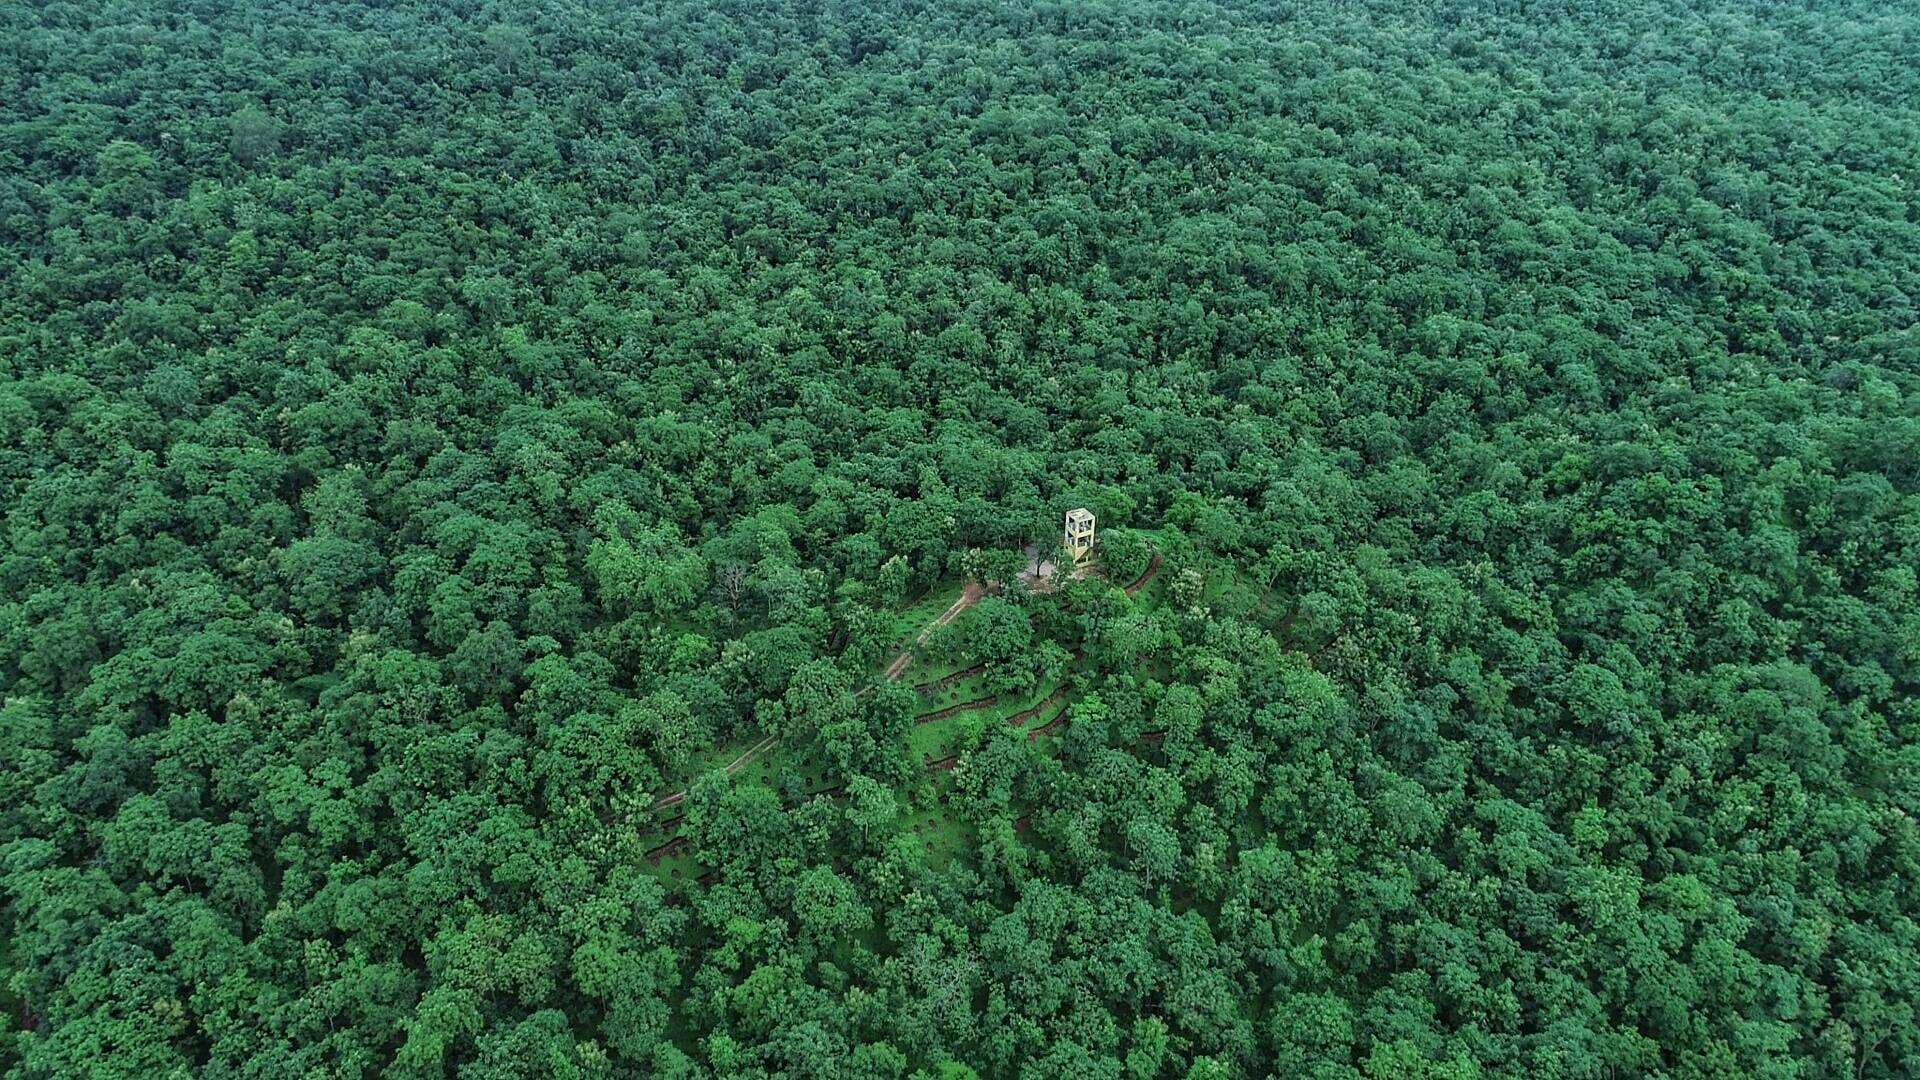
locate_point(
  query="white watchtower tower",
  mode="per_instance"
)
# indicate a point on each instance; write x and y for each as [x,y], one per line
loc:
[1077,537]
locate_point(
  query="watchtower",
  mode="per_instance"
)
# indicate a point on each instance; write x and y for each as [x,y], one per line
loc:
[1077,537]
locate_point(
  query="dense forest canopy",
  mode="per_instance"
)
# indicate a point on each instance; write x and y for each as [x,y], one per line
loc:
[469,468]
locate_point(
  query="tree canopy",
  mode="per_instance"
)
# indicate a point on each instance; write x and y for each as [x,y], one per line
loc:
[514,520]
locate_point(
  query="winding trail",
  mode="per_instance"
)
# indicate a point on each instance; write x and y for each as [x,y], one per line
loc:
[667,850]
[1059,720]
[1153,567]
[746,757]
[926,688]
[955,710]
[1025,715]
[968,597]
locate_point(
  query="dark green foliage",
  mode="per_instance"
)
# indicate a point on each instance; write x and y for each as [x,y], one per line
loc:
[435,436]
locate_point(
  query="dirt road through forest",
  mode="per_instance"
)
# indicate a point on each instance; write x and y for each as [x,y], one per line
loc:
[968,597]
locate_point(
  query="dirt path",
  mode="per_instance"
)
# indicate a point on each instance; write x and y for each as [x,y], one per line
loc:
[667,850]
[942,683]
[1027,714]
[746,757]
[1059,720]
[968,597]
[1153,567]
[955,710]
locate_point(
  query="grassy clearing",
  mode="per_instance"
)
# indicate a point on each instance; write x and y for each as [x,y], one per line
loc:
[910,620]
[971,687]
[926,669]
[935,740]
[942,834]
